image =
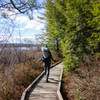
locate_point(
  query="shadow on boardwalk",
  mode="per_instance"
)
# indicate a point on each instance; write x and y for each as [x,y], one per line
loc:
[54,81]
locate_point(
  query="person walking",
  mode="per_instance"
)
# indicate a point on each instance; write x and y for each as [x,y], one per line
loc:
[46,58]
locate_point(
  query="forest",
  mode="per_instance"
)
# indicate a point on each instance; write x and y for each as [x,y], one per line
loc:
[72,31]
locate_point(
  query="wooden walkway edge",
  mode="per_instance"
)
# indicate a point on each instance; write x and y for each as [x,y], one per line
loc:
[40,90]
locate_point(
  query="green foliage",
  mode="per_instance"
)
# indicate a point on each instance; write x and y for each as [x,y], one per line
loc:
[97,55]
[54,25]
[94,42]
[76,24]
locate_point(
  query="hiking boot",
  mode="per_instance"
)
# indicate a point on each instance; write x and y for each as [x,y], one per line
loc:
[46,80]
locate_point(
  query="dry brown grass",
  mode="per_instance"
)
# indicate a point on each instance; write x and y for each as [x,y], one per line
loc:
[14,80]
[84,83]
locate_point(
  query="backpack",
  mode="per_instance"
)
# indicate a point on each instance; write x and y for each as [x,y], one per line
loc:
[45,54]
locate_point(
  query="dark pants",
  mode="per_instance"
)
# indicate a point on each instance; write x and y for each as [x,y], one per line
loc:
[47,69]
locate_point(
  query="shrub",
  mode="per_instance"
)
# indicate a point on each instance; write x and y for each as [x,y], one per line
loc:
[15,79]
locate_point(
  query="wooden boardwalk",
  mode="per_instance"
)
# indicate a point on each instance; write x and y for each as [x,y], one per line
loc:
[47,91]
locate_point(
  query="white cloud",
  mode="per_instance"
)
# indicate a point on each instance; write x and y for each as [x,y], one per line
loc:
[9,13]
[22,39]
[41,26]
[34,24]
[22,22]
[20,29]
[21,19]
[29,24]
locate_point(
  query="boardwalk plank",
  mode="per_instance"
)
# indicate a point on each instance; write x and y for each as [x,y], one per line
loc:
[47,91]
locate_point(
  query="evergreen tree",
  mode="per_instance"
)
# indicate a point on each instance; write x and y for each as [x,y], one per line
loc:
[54,25]
[76,24]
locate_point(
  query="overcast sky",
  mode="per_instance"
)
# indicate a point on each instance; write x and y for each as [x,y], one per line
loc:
[24,28]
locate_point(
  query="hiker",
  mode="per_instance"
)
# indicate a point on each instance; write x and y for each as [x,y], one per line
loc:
[46,58]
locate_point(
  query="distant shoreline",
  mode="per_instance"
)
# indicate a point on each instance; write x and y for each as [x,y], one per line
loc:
[18,45]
